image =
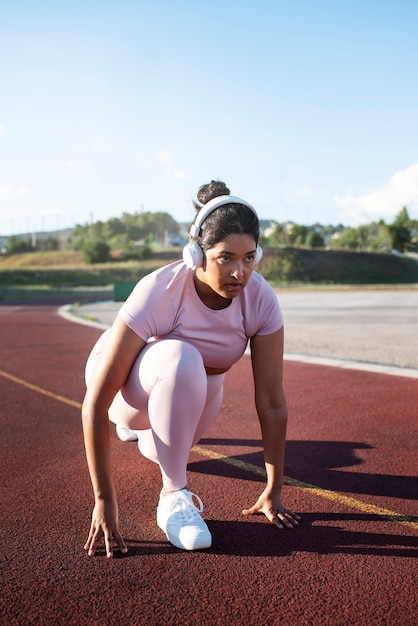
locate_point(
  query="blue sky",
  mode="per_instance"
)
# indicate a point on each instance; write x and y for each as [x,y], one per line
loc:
[309,110]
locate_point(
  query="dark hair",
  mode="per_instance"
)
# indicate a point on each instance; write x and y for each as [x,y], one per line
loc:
[233,218]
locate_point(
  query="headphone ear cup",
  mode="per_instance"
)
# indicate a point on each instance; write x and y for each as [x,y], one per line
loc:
[193,255]
[258,255]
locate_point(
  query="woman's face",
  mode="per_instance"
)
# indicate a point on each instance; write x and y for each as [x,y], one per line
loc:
[226,269]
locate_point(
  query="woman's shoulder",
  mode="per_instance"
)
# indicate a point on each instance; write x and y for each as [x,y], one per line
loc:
[258,292]
[162,285]
[261,307]
[258,283]
[151,307]
[166,276]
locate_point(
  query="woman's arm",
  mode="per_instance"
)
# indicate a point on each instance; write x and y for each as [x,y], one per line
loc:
[270,401]
[119,353]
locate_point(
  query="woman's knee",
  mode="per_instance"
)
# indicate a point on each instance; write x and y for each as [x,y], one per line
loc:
[187,360]
[171,359]
[164,364]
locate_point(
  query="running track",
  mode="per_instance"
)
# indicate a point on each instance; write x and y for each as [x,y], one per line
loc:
[351,467]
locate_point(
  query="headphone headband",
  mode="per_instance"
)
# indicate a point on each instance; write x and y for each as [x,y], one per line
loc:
[193,255]
[211,206]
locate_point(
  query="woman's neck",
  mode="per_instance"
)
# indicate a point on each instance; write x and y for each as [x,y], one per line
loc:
[210,298]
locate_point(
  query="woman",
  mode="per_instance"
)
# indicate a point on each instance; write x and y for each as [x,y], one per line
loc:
[158,372]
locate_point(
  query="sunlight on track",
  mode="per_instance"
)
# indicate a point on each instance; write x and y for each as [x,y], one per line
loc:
[44,392]
[249,467]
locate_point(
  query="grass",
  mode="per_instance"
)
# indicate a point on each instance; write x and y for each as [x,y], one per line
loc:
[52,259]
[64,276]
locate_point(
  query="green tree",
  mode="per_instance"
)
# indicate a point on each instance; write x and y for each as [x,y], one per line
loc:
[16,245]
[298,234]
[400,230]
[279,235]
[314,239]
[362,236]
[122,245]
[156,225]
[95,251]
[379,238]
[346,239]
[80,235]
[49,243]
[113,227]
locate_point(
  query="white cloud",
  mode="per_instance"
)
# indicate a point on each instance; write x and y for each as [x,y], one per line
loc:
[306,190]
[98,144]
[383,203]
[1,129]
[11,190]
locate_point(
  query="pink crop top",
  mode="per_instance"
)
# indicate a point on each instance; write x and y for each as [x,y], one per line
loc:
[165,304]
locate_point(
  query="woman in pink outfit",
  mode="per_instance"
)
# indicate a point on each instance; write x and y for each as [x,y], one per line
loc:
[158,372]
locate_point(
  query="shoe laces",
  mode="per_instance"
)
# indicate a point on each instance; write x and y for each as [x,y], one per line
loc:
[182,502]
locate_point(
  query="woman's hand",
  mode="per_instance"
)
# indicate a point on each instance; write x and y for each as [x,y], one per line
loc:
[104,523]
[272,507]
[113,364]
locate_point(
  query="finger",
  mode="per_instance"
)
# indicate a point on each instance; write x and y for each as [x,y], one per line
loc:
[285,518]
[91,544]
[119,540]
[108,545]
[285,521]
[91,537]
[252,511]
[291,517]
[88,542]
[291,514]
[274,519]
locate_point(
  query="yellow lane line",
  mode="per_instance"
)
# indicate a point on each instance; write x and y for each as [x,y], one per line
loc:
[249,467]
[317,491]
[40,390]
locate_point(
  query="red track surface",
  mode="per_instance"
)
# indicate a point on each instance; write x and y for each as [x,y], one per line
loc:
[351,462]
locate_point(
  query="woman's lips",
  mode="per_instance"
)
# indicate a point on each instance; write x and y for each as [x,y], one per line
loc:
[233,286]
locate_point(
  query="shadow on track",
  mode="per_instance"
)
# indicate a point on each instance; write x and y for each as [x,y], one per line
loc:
[252,539]
[313,462]
[320,533]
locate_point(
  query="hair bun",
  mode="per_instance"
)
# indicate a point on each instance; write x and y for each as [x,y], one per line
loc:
[212,190]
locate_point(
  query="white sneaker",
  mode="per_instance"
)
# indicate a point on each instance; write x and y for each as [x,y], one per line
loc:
[180,519]
[126,434]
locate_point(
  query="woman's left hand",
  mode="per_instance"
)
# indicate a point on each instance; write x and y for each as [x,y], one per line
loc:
[272,507]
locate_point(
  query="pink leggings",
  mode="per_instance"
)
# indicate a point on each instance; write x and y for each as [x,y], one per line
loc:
[169,397]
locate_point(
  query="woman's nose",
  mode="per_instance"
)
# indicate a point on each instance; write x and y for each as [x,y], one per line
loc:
[237,271]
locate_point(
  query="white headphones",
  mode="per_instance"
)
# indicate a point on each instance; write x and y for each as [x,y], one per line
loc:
[192,252]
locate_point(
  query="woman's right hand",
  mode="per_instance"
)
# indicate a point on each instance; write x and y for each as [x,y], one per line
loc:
[108,375]
[104,523]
